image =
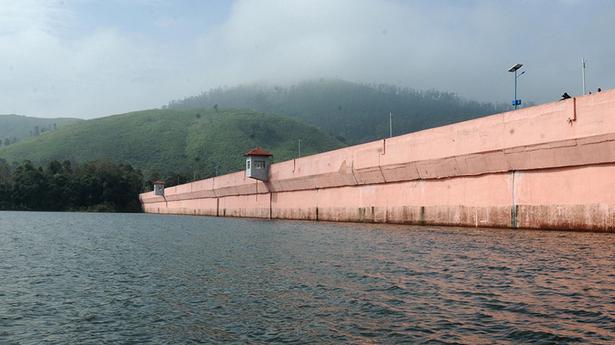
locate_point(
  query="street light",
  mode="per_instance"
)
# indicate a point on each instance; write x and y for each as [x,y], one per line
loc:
[515,68]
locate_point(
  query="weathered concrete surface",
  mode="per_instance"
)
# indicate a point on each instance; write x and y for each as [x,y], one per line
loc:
[254,205]
[550,166]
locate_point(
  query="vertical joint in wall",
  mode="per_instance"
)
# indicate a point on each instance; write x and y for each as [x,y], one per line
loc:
[317,215]
[514,208]
[354,177]
[573,118]
[270,205]
[384,151]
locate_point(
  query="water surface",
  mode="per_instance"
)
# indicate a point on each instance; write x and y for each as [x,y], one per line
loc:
[70,278]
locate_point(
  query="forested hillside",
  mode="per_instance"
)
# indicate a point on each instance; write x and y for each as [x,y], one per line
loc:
[174,144]
[199,137]
[351,112]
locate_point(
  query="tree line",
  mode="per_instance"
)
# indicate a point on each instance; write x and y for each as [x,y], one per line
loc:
[63,186]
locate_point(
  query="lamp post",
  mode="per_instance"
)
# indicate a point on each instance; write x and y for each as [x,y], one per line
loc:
[515,68]
[583,73]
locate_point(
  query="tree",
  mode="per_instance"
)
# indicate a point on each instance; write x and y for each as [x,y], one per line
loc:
[93,186]
[5,171]
[29,189]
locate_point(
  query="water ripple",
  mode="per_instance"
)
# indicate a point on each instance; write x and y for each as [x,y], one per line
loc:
[133,279]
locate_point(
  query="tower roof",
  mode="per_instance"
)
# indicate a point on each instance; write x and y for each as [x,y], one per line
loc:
[257,151]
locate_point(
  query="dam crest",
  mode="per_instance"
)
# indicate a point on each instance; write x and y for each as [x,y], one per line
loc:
[550,166]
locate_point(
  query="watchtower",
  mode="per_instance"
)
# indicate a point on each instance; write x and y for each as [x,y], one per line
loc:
[257,164]
[159,187]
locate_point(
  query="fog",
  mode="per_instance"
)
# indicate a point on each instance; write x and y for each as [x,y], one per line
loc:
[89,59]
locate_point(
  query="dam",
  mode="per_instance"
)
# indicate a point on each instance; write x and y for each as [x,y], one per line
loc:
[550,166]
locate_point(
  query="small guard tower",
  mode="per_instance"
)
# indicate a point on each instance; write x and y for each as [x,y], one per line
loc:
[257,164]
[159,187]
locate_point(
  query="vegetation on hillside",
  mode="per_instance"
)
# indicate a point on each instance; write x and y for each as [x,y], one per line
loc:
[196,138]
[14,128]
[174,144]
[93,186]
[353,113]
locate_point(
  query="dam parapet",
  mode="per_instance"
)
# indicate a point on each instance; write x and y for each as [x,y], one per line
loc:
[550,166]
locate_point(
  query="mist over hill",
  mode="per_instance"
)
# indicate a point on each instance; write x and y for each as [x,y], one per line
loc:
[174,144]
[13,127]
[351,112]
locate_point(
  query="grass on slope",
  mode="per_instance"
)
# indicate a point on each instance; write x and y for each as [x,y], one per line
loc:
[169,142]
[19,127]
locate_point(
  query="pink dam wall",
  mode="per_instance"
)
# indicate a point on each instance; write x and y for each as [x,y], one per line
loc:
[550,167]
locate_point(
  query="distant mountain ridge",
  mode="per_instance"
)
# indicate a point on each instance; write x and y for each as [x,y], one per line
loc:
[169,142]
[13,127]
[352,112]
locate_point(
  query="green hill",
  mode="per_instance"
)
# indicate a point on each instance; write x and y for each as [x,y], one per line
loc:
[352,112]
[164,143]
[13,128]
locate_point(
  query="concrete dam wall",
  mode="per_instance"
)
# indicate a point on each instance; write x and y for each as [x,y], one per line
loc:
[545,167]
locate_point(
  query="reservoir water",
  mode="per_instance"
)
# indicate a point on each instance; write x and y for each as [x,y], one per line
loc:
[73,278]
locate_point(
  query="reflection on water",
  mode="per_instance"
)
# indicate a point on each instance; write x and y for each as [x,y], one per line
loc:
[70,278]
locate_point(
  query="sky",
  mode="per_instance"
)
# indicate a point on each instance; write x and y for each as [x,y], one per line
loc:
[85,58]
